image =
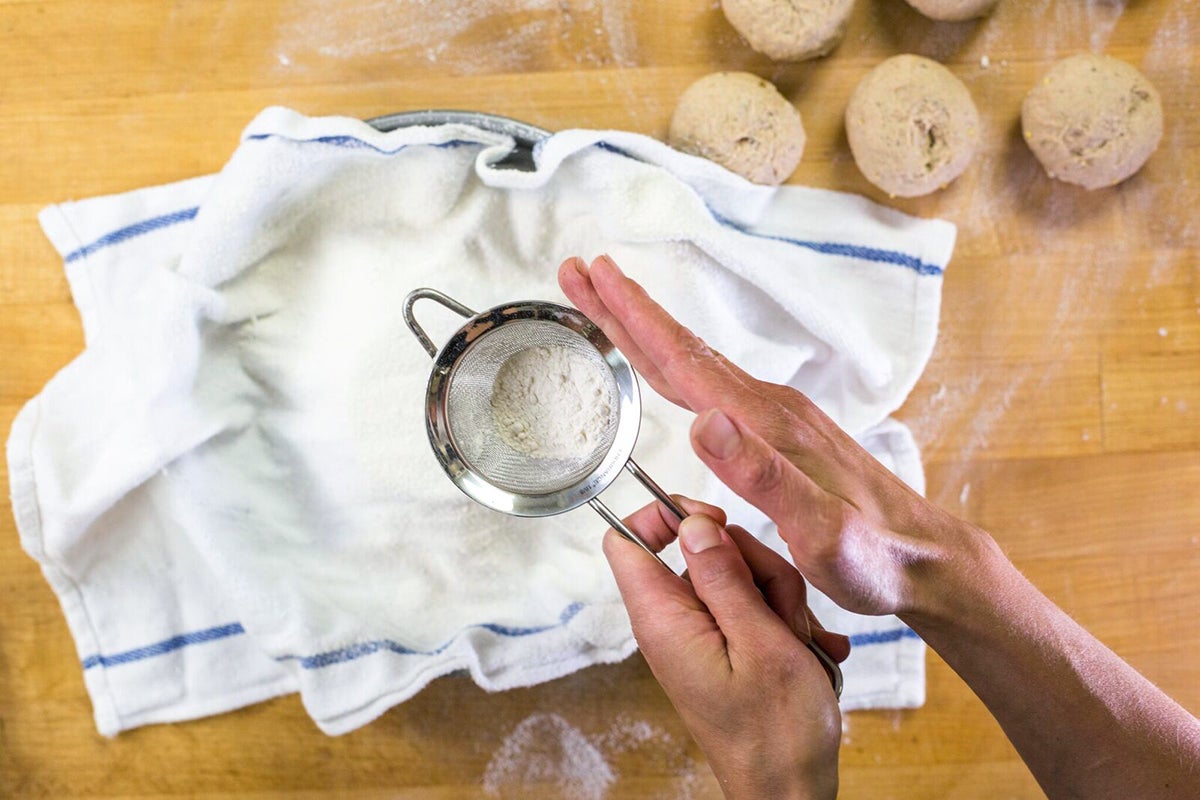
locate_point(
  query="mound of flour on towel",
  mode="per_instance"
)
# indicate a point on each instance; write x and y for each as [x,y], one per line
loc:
[551,402]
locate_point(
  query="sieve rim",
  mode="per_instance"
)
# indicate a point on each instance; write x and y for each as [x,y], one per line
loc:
[475,485]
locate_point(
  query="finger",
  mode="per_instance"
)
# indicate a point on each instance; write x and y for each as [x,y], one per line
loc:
[698,375]
[785,591]
[724,583]
[743,461]
[782,586]
[835,645]
[665,613]
[645,585]
[656,525]
[575,282]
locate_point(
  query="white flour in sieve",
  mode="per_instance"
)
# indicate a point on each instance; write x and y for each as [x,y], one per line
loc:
[551,402]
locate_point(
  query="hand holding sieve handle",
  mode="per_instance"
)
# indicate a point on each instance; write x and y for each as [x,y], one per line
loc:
[831,667]
[543,502]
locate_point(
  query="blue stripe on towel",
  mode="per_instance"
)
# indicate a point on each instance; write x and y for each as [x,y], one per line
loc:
[132,231]
[356,651]
[882,637]
[165,646]
[861,252]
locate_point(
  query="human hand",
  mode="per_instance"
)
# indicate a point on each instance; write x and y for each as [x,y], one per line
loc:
[853,528]
[1086,723]
[730,649]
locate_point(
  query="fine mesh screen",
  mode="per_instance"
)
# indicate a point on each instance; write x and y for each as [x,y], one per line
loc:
[472,422]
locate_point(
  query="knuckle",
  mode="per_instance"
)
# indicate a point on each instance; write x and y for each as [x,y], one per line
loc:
[717,573]
[819,533]
[691,344]
[688,351]
[794,406]
[723,580]
[833,517]
[765,470]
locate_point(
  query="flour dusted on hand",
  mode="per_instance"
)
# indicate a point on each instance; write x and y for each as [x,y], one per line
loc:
[551,402]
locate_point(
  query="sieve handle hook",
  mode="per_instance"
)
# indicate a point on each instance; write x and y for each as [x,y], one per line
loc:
[831,667]
[430,294]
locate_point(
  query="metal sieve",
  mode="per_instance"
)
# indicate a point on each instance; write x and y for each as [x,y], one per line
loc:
[459,418]
[462,430]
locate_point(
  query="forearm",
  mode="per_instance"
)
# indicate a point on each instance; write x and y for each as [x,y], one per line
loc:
[1085,722]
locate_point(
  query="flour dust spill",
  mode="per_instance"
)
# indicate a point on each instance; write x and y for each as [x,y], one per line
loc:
[458,36]
[545,755]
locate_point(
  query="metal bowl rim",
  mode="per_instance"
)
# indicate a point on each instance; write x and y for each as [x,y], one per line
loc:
[525,134]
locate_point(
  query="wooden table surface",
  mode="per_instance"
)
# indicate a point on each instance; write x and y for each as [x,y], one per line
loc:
[1061,409]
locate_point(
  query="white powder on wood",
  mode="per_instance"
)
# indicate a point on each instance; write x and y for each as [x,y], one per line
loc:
[545,752]
[552,402]
[547,756]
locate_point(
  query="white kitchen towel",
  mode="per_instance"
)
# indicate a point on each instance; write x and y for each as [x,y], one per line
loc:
[231,489]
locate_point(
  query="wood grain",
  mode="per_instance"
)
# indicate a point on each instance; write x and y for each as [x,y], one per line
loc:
[1061,410]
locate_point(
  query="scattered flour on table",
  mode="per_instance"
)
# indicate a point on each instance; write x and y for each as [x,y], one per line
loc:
[954,413]
[545,751]
[1066,24]
[1102,19]
[627,735]
[464,36]
[545,755]
[551,402]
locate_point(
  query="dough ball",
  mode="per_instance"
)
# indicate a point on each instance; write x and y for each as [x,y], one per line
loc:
[741,122]
[1092,120]
[912,126]
[953,10]
[789,30]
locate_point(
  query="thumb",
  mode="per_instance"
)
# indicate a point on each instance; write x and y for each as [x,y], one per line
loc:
[724,583]
[761,475]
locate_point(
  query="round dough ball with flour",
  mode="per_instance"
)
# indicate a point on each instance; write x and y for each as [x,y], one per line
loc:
[912,126]
[1092,120]
[741,122]
[953,10]
[789,30]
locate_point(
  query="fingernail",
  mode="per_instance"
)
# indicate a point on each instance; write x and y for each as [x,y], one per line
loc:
[698,533]
[718,435]
[606,259]
[581,266]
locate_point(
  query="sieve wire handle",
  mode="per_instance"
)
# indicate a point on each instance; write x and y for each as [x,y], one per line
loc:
[430,294]
[624,530]
[656,490]
[831,667]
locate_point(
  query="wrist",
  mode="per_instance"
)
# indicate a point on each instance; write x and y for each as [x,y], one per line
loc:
[791,776]
[796,787]
[949,588]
